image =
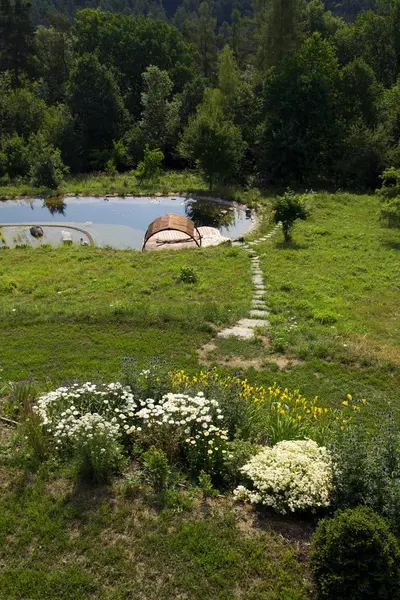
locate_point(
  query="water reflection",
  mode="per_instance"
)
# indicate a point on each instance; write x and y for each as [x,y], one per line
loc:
[209,214]
[122,222]
[55,206]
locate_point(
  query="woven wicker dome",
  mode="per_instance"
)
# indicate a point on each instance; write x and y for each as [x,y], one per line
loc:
[170,222]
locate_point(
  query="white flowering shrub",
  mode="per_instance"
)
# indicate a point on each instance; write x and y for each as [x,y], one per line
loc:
[180,423]
[290,476]
[114,402]
[95,446]
[88,423]
[92,421]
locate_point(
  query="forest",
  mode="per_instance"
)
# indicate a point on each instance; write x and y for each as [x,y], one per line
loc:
[275,93]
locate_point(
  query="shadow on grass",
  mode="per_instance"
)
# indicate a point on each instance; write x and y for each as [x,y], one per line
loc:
[392,245]
[290,527]
[86,498]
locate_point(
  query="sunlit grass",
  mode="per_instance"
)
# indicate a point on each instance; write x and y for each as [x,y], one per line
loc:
[77,311]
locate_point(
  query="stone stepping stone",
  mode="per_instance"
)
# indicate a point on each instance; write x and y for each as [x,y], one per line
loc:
[259,313]
[260,288]
[242,332]
[251,323]
[257,280]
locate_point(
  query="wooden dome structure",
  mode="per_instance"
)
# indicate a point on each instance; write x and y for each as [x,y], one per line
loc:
[173,222]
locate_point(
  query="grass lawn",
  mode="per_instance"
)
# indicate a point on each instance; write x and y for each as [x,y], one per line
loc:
[74,313]
[62,541]
[334,296]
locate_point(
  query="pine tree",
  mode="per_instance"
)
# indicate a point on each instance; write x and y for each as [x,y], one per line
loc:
[279,30]
[16,39]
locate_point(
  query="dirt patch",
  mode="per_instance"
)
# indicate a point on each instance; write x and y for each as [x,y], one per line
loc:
[372,349]
[208,356]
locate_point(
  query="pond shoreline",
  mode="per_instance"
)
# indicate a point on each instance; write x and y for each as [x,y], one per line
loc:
[246,223]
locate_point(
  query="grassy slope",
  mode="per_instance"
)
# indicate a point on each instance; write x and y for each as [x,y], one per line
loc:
[62,542]
[335,297]
[335,300]
[77,312]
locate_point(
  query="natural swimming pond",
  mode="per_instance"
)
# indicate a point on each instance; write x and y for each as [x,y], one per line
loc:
[122,222]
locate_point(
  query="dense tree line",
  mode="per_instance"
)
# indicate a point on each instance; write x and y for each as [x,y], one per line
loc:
[287,93]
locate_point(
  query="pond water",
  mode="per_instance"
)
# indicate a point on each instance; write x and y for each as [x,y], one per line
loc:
[122,222]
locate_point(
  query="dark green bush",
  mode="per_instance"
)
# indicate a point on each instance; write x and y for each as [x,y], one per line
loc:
[390,212]
[366,468]
[355,556]
[287,209]
[47,167]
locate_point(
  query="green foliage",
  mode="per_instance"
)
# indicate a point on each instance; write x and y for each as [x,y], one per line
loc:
[34,441]
[390,183]
[97,456]
[149,169]
[288,209]
[47,168]
[367,467]
[365,155]
[160,116]
[206,485]
[390,194]
[213,142]
[188,275]
[17,39]
[98,109]
[158,469]
[128,44]
[239,453]
[54,52]
[299,128]
[279,30]
[390,212]
[15,156]
[355,556]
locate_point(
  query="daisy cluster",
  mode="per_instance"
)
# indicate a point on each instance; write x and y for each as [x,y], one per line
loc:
[290,476]
[89,430]
[94,411]
[196,416]
[110,412]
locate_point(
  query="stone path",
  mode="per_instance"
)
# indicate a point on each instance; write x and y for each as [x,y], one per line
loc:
[258,315]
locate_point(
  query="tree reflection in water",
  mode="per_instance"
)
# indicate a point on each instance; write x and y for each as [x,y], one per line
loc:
[56,206]
[210,214]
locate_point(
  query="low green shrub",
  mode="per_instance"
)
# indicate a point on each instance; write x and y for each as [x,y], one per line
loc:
[390,183]
[288,209]
[206,485]
[158,469]
[354,556]
[188,275]
[390,212]
[149,169]
[366,467]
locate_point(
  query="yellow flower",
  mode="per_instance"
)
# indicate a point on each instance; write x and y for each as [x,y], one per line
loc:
[345,403]
[349,397]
